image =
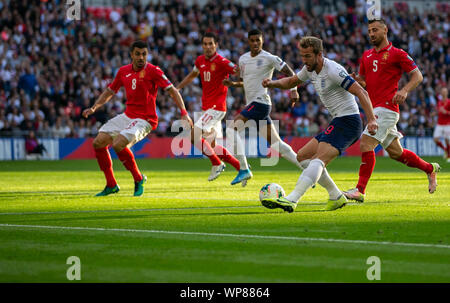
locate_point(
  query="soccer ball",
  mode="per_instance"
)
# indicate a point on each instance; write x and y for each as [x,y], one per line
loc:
[271,190]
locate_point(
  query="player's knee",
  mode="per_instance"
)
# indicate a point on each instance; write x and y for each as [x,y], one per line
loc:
[367,143]
[118,146]
[95,144]
[394,154]
[197,132]
[301,157]
[365,147]
[119,143]
[98,143]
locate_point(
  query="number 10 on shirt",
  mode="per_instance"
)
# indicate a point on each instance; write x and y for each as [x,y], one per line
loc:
[206,76]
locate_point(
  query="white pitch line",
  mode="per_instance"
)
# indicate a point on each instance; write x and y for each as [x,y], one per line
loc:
[230,235]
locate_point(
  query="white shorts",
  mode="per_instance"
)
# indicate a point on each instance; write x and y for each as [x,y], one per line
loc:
[442,131]
[387,126]
[210,120]
[133,129]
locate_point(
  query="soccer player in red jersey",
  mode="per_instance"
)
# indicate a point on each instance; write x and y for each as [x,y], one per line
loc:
[442,129]
[380,70]
[213,69]
[141,81]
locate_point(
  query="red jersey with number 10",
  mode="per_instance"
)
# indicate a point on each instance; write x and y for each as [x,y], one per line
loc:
[382,71]
[212,72]
[141,88]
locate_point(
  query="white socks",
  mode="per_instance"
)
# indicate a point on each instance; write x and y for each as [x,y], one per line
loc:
[308,178]
[240,151]
[325,181]
[285,150]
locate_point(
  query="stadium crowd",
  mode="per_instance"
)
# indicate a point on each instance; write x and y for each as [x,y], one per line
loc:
[51,68]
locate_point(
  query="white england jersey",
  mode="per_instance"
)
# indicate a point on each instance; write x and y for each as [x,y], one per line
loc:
[331,84]
[254,70]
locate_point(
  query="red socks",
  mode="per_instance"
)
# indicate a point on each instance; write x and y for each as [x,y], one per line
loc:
[226,156]
[105,164]
[439,144]
[365,170]
[412,160]
[209,152]
[127,159]
[368,164]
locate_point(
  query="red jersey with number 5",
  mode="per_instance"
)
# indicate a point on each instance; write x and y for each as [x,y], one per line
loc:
[212,72]
[382,71]
[141,88]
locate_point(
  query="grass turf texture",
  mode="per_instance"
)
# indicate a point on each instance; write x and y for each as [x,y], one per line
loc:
[186,229]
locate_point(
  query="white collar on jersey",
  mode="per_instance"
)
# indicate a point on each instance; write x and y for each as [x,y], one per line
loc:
[213,57]
[145,66]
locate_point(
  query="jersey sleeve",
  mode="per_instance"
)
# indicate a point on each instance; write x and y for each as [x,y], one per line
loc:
[229,66]
[277,62]
[117,82]
[407,63]
[196,65]
[302,75]
[160,79]
[362,67]
[340,76]
[241,67]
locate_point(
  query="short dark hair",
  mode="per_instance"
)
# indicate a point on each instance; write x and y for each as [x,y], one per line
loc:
[254,32]
[310,41]
[138,44]
[210,35]
[381,20]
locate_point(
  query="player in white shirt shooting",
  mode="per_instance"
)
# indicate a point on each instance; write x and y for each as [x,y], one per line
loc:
[336,90]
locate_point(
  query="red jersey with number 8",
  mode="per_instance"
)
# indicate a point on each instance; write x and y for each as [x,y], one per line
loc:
[212,72]
[141,88]
[382,71]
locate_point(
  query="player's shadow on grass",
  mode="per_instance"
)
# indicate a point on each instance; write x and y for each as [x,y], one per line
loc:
[148,215]
[156,215]
[296,211]
[18,194]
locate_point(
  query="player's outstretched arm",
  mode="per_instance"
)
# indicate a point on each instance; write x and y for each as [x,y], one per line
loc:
[366,104]
[360,79]
[102,99]
[415,79]
[287,70]
[188,79]
[237,72]
[176,96]
[285,83]
[229,83]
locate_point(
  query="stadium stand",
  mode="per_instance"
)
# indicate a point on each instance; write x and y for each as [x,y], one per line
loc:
[51,68]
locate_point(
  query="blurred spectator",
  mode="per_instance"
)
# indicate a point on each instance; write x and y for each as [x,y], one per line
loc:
[28,82]
[32,146]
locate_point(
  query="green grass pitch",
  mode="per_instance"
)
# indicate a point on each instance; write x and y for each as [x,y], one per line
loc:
[186,229]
